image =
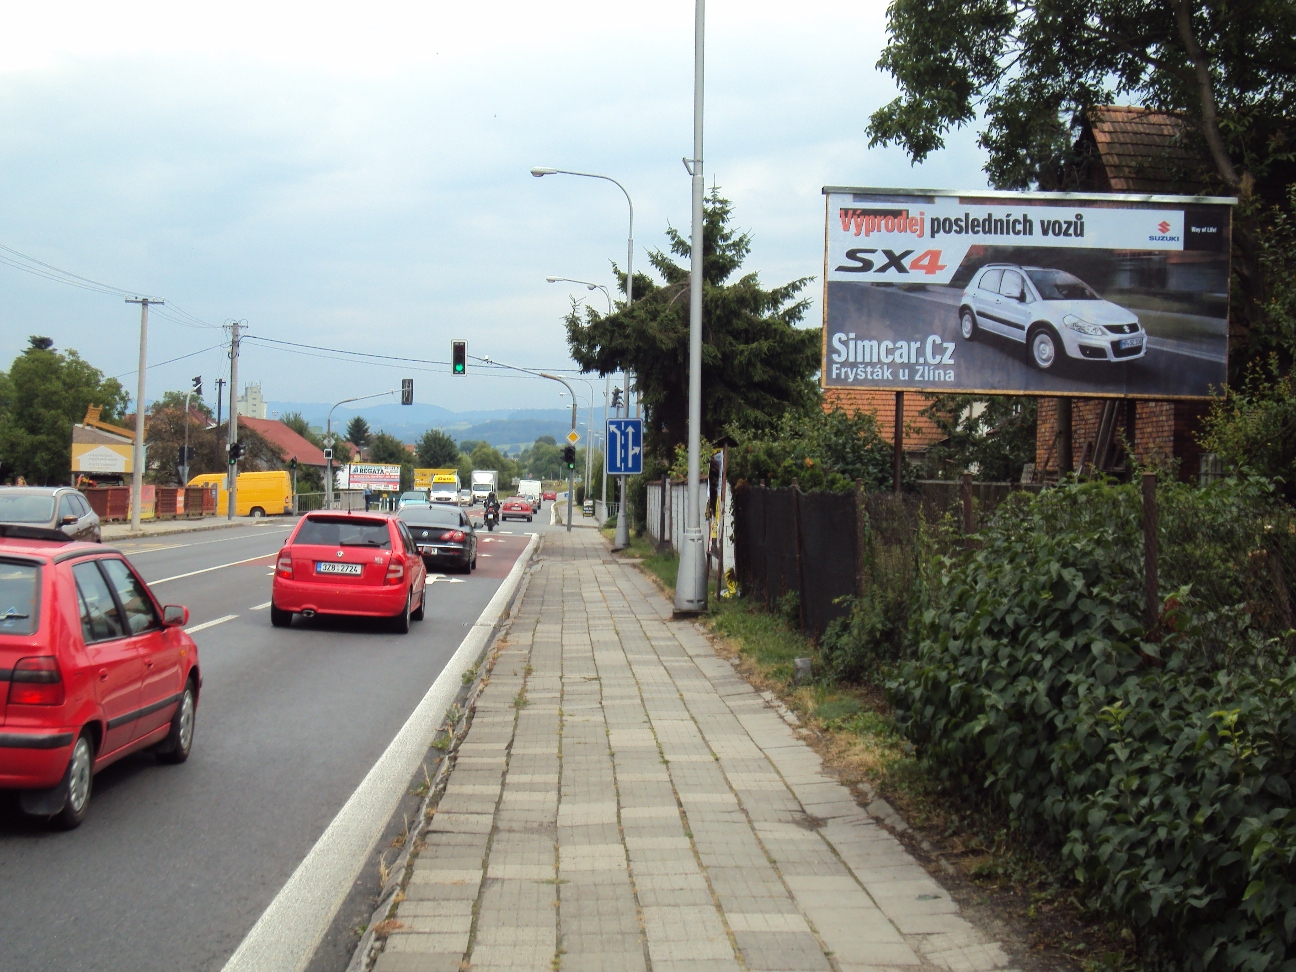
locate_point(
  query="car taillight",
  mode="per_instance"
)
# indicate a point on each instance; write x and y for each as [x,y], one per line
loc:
[36,681]
[285,564]
[454,536]
[395,569]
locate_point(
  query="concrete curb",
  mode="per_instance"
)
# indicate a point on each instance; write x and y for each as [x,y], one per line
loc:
[290,929]
[120,532]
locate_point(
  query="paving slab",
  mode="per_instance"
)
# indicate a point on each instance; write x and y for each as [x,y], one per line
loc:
[624,801]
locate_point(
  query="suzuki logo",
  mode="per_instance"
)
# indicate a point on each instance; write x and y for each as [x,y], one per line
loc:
[1163,227]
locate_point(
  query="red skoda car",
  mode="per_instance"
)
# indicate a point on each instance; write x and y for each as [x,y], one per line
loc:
[92,668]
[349,563]
[516,507]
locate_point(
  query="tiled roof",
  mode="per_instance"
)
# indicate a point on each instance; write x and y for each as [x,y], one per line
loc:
[1142,150]
[290,444]
[920,431]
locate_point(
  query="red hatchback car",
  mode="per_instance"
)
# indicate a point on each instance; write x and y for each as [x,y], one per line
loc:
[516,507]
[95,669]
[349,563]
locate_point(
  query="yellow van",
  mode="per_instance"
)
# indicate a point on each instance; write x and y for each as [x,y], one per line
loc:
[259,493]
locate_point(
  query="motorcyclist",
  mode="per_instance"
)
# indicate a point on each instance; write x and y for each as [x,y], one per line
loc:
[492,510]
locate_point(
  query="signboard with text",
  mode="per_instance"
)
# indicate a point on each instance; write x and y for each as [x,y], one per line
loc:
[379,477]
[1026,293]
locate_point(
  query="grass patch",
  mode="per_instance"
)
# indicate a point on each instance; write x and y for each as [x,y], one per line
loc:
[663,566]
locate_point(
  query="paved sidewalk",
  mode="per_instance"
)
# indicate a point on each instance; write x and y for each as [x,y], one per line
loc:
[153,528]
[625,801]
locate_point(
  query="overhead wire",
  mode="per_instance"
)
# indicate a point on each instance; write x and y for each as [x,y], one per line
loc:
[159,364]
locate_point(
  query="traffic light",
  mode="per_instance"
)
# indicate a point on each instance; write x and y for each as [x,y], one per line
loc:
[197,386]
[616,397]
[235,452]
[569,456]
[459,357]
[292,464]
[407,391]
[328,455]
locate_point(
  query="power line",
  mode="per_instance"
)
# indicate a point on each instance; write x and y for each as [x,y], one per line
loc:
[379,358]
[172,360]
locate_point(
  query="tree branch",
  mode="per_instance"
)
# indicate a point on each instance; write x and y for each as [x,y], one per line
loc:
[1206,95]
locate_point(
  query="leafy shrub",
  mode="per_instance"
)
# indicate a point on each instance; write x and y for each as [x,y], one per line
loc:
[1162,764]
[821,450]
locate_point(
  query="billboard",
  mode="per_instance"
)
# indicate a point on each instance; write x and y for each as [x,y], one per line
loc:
[1026,293]
[379,477]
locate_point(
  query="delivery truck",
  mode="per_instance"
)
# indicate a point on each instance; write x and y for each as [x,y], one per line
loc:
[484,482]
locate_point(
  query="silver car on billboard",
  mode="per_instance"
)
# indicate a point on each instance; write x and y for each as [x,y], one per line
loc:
[1052,312]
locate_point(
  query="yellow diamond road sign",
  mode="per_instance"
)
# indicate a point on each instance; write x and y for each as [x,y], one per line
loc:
[573,437]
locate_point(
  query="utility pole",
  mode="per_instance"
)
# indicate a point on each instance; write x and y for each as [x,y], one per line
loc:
[691,582]
[235,327]
[220,398]
[137,455]
[195,388]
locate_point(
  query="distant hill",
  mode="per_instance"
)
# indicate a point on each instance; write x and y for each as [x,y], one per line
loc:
[500,427]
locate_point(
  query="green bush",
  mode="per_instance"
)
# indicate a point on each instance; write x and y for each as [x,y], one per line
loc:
[1162,762]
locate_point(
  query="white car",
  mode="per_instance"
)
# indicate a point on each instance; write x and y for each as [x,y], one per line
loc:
[445,493]
[1052,312]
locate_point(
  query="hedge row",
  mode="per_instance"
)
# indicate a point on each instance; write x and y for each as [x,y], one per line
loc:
[1162,762]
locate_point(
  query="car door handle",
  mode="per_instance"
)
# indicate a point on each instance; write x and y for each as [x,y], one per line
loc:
[148,662]
[103,674]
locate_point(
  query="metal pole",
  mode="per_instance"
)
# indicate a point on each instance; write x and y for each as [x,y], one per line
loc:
[185,464]
[220,399]
[607,394]
[137,453]
[897,457]
[571,473]
[691,583]
[328,443]
[232,467]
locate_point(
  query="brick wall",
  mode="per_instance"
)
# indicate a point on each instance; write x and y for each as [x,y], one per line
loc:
[1160,430]
[920,431]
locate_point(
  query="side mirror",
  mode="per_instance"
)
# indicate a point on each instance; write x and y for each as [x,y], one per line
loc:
[175,616]
[69,520]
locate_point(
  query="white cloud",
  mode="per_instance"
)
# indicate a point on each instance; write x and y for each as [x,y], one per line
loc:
[358,177]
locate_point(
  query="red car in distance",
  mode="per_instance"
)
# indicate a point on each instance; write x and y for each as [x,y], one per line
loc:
[549,494]
[92,669]
[516,508]
[363,564]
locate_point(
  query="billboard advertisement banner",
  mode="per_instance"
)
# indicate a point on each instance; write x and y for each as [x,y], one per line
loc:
[1026,293]
[378,477]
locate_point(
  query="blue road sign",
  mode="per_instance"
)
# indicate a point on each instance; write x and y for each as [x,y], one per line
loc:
[625,447]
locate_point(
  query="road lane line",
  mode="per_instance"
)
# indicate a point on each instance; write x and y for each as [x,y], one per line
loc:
[210,624]
[260,607]
[197,543]
[289,931]
[208,570]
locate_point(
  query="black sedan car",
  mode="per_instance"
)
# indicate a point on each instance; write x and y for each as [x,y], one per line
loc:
[444,535]
[56,507]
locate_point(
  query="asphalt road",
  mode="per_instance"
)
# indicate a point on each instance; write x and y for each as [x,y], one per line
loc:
[175,863]
[993,362]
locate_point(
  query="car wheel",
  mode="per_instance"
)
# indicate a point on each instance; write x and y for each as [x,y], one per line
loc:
[78,781]
[968,325]
[279,617]
[417,613]
[528,519]
[175,748]
[1044,348]
[401,623]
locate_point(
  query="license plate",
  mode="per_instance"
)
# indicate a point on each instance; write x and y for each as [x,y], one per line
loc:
[1131,343]
[430,551]
[328,567]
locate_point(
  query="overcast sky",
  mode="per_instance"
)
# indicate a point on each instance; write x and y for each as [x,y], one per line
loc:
[356,175]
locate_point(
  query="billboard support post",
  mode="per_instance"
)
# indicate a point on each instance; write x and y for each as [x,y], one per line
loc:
[897,463]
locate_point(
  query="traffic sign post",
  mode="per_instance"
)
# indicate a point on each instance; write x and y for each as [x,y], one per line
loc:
[624,453]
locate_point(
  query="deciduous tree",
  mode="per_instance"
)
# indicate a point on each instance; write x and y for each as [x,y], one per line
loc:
[436,450]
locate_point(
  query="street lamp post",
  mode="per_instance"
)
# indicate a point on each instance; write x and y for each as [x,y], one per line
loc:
[328,443]
[691,582]
[607,379]
[622,527]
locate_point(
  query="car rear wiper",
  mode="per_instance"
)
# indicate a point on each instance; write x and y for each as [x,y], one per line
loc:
[11,615]
[362,543]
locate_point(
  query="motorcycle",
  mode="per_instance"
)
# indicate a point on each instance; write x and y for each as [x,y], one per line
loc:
[491,517]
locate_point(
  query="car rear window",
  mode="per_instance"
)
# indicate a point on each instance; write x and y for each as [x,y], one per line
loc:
[431,516]
[25,507]
[344,532]
[19,597]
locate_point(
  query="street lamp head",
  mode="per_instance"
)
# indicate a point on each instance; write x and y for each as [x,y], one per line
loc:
[541,170]
[552,279]
[590,286]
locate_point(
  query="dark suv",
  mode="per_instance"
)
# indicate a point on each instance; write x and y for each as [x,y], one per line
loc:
[55,507]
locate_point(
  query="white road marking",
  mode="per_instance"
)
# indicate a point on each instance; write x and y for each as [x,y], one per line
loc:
[197,543]
[289,931]
[208,570]
[209,624]
[260,607]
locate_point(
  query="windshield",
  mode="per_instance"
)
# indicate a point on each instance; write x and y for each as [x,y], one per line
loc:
[1060,285]
[431,517]
[18,507]
[417,494]
[19,598]
[339,532]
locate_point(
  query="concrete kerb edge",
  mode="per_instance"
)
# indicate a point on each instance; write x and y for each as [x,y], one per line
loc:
[370,946]
[197,527]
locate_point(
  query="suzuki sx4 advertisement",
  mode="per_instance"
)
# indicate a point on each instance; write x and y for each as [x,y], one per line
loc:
[1027,293]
